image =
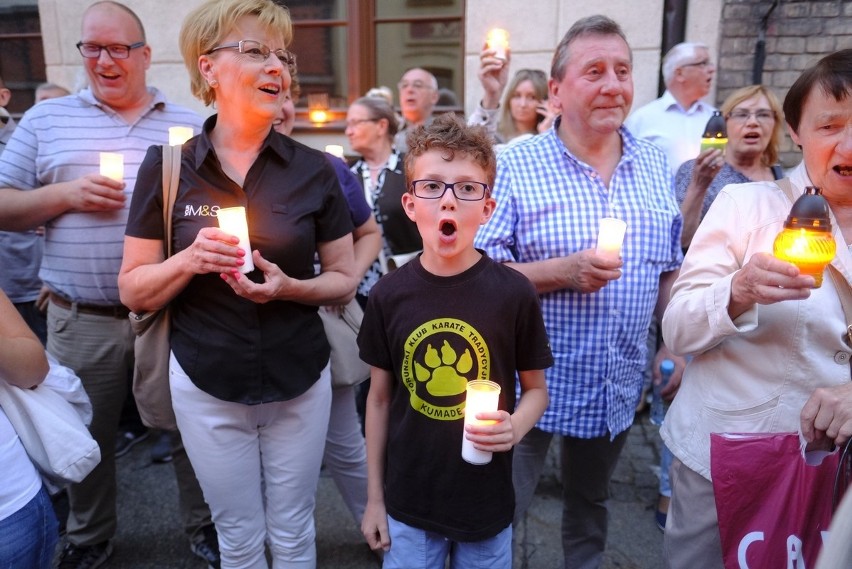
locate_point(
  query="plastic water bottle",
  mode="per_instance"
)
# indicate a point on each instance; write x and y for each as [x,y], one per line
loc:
[658,406]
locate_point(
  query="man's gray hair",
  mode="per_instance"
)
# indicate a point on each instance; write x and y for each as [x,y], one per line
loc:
[681,53]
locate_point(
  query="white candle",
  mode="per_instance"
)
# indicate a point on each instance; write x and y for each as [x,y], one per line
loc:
[232,220]
[334,149]
[498,40]
[179,134]
[482,395]
[610,237]
[112,166]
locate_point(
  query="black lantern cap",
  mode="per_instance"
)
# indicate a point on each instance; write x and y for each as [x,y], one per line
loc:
[716,126]
[810,211]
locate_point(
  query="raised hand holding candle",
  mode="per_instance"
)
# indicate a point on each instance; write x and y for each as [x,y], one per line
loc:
[334,150]
[610,237]
[482,395]
[498,40]
[179,134]
[232,220]
[112,166]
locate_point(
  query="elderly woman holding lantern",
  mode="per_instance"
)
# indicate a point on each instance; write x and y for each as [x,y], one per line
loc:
[249,369]
[763,332]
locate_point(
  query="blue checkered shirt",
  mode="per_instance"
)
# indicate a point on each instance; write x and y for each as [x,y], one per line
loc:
[549,204]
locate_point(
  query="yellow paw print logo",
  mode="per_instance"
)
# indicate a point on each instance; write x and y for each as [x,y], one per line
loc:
[444,372]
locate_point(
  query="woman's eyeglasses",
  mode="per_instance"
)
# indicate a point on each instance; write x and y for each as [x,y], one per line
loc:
[258,52]
[762,116]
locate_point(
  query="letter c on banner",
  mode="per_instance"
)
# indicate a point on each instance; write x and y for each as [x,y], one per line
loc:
[744,543]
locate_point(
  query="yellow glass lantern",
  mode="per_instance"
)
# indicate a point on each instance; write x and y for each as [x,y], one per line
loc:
[715,133]
[807,240]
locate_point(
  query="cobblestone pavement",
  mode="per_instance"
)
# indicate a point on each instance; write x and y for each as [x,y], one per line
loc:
[150,534]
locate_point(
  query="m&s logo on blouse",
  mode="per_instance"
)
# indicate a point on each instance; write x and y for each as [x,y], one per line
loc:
[200,210]
[440,357]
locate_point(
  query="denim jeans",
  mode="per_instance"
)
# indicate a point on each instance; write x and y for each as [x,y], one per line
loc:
[28,537]
[413,548]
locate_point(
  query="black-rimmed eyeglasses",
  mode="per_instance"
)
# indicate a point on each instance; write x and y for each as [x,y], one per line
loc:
[257,51]
[116,51]
[435,189]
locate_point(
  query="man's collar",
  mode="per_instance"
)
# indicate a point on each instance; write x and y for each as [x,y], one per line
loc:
[669,102]
[5,117]
[158,99]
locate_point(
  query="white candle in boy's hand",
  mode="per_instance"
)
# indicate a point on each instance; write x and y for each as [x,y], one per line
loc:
[112,166]
[610,237]
[482,395]
[179,134]
[334,150]
[232,220]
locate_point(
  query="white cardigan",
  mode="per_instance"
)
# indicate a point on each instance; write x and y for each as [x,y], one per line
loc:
[755,373]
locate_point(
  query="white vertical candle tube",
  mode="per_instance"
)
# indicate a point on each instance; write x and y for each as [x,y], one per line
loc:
[232,220]
[112,166]
[334,150]
[482,395]
[611,237]
[498,40]
[179,134]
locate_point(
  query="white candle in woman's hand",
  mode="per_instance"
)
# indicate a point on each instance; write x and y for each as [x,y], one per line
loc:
[232,220]
[611,237]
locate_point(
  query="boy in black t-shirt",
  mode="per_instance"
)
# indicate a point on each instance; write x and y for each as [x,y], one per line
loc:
[449,316]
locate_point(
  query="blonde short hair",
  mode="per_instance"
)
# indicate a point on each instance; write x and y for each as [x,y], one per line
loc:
[206,26]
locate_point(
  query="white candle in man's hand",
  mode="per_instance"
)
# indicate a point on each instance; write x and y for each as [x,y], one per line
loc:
[112,166]
[232,220]
[611,237]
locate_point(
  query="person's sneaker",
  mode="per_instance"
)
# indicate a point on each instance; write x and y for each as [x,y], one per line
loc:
[84,556]
[161,450]
[126,440]
[206,546]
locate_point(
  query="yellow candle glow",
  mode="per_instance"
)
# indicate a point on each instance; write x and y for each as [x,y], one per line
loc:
[809,250]
[482,395]
[112,166]
[611,237]
[334,149]
[232,220]
[179,134]
[498,40]
[318,116]
[719,143]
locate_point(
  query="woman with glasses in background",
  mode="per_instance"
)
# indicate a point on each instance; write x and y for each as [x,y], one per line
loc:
[754,120]
[249,370]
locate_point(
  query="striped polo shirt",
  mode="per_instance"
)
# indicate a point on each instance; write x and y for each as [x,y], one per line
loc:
[60,140]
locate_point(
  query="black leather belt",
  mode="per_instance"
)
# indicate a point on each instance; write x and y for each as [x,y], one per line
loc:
[118,311]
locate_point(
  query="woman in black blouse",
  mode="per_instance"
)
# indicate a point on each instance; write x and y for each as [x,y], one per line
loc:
[249,368]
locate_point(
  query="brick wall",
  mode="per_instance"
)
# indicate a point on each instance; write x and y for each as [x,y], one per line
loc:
[799,33]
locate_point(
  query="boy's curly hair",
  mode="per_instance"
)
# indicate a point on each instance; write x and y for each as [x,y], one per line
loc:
[451,135]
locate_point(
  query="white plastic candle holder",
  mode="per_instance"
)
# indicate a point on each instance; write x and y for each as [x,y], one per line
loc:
[112,166]
[611,237]
[482,395]
[232,220]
